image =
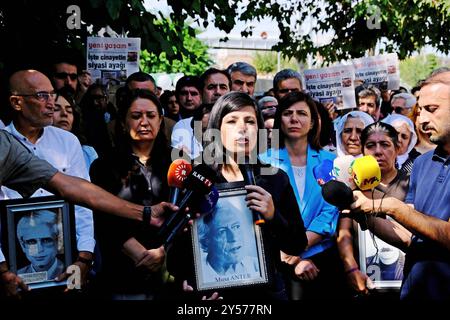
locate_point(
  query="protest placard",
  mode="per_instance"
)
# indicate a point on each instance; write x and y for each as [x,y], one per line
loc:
[333,84]
[381,71]
[112,60]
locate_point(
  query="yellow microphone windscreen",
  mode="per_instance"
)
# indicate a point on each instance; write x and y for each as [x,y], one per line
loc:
[366,172]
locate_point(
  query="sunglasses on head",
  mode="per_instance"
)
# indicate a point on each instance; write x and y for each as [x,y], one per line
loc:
[64,75]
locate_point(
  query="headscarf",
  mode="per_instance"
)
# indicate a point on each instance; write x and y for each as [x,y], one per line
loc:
[398,119]
[364,117]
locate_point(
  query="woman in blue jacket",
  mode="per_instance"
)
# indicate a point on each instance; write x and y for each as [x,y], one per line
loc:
[299,152]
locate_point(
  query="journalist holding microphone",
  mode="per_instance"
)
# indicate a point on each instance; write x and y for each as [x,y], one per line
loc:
[422,226]
[238,119]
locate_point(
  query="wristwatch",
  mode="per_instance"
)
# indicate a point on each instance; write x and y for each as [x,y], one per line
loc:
[88,262]
[146,215]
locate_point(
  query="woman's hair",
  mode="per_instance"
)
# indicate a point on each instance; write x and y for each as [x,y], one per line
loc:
[77,124]
[285,103]
[132,95]
[379,127]
[160,145]
[326,125]
[230,102]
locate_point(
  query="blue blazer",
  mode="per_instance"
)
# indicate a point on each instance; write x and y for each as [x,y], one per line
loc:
[318,215]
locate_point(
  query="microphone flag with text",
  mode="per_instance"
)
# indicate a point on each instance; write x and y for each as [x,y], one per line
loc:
[197,185]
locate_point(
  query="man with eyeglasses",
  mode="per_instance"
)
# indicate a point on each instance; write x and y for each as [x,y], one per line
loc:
[402,103]
[37,233]
[32,98]
[33,101]
[286,81]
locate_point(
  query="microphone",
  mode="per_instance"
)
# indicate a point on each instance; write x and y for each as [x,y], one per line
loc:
[342,170]
[178,171]
[366,172]
[323,172]
[334,192]
[207,205]
[198,183]
[338,194]
[363,172]
[249,179]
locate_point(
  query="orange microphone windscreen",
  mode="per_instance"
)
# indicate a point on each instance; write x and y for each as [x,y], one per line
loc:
[178,171]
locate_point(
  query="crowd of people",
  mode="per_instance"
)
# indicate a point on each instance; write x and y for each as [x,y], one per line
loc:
[125,144]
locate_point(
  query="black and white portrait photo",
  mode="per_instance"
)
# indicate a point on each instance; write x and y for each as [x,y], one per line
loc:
[38,238]
[228,248]
[39,234]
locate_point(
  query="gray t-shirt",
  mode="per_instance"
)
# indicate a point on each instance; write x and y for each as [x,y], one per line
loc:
[20,169]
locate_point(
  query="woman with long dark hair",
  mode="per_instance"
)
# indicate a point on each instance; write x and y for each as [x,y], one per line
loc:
[232,135]
[298,122]
[137,172]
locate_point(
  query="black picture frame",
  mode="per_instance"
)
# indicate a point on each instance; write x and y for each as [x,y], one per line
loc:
[383,266]
[247,255]
[51,221]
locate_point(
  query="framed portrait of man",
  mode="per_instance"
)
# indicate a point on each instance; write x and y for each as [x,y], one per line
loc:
[38,238]
[382,262]
[228,246]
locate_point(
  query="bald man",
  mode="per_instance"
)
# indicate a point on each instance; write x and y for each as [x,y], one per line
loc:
[33,103]
[32,96]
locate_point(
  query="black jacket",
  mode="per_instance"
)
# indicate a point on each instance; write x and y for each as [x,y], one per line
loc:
[284,232]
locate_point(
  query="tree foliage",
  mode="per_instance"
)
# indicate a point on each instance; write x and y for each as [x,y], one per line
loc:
[267,62]
[32,29]
[417,68]
[153,63]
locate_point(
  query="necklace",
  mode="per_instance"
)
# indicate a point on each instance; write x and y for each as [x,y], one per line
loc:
[299,171]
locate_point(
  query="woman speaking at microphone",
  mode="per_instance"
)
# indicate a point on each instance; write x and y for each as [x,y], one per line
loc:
[137,171]
[379,140]
[297,119]
[238,118]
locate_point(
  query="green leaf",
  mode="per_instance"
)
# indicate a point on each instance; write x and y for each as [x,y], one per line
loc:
[113,7]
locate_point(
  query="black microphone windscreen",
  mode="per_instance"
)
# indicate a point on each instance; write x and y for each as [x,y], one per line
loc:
[200,179]
[338,194]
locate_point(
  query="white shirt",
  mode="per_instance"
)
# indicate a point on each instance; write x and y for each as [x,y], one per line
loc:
[300,179]
[183,138]
[63,151]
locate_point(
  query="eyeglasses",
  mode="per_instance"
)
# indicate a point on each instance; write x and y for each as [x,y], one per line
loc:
[288,90]
[48,241]
[41,95]
[64,75]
